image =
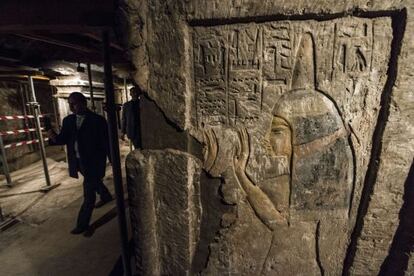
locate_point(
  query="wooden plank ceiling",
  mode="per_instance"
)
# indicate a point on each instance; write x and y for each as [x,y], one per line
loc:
[33,33]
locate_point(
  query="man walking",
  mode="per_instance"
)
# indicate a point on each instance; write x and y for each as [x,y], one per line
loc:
[131,122]
[85,135]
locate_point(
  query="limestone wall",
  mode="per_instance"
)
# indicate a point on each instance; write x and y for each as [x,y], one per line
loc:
[304,113]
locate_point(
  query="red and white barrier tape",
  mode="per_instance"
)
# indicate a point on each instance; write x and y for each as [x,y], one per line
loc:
[17,117]
[15,145]
[17,131]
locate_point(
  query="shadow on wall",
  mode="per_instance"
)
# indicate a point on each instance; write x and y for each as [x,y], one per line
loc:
[403,243]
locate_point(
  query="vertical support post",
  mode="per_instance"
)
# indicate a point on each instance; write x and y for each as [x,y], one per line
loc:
[114,148]
[26,93]
[126,99]
[30,110]
[21,92]
[55,110]
[125,89]
[4,161]
[118,115]
[122,93]
[91,87]
[36,108]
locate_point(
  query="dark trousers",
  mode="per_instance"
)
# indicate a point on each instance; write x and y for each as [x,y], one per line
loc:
[91,185]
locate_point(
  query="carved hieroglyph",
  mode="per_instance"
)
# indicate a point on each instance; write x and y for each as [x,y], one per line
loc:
[307,92]
[235,65]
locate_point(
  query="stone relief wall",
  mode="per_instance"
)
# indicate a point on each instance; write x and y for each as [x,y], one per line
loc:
[291,116]
[291,85]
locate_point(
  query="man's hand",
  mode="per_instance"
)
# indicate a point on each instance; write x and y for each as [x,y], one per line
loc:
[51,134]
[47,123]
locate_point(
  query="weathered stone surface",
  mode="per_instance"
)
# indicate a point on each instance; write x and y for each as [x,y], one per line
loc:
[164,196]
[400,259]
[162,134]
[305,111]
[215,215]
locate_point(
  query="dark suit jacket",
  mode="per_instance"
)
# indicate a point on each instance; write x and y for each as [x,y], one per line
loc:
[131,122]
[93,144]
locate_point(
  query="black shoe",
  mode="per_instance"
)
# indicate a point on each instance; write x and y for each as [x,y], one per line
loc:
[78,230]
[101,203]
[89,232]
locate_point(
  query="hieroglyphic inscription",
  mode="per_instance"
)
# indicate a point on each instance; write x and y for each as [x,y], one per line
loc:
[278,58]
[228,75]
[235,64]
[244,77]
[353,48]
[210,70]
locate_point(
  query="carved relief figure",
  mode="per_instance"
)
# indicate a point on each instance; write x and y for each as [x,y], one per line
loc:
[263,207]
[308,144]
[308,147]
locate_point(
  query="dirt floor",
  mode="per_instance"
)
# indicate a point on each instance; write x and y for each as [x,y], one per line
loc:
[38,241]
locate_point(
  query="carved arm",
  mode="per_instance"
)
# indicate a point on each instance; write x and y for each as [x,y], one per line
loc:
[259,201]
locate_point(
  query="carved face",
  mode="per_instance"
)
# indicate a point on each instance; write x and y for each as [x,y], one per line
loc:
[280,137]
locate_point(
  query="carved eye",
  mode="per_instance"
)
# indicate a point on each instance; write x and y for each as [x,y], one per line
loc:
[278,130]
[279,126]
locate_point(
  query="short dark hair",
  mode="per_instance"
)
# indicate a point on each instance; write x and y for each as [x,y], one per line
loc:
[136,89]
[79,97]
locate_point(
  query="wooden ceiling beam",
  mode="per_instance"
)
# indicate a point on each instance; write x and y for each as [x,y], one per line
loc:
[99,38]
[57,42]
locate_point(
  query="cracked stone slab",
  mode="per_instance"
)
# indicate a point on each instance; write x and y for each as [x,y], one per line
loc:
[164,196]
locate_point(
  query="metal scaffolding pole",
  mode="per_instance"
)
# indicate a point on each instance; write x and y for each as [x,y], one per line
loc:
[29,111]
[36,107]
[4,162]
[55,109]
[125,89]
[21,90]
[114,148]
[122,94]
[91,87]
[126,99]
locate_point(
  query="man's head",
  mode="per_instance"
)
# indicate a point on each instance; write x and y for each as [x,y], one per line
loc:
[77,103]
[135,92]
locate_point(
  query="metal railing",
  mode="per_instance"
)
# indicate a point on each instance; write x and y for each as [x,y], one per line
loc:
[4,147]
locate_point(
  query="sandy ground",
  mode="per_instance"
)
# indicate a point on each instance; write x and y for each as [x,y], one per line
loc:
[24,199]
[40,244]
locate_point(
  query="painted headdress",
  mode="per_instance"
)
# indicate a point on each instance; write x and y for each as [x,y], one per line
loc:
[322,163]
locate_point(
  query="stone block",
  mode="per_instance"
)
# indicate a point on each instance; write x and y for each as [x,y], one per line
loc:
[164,196]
